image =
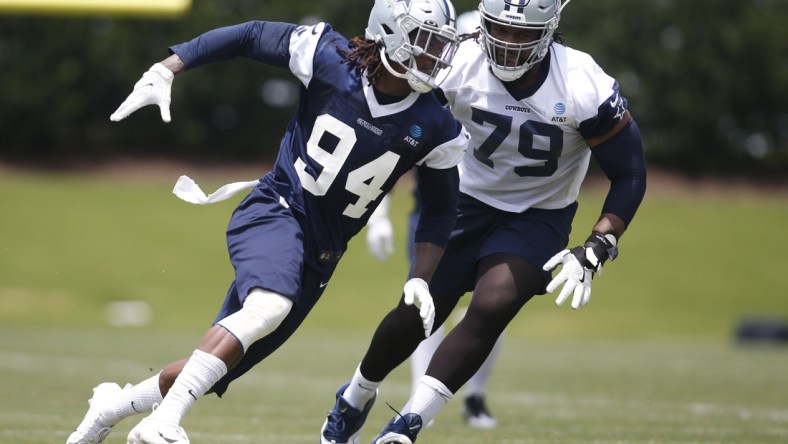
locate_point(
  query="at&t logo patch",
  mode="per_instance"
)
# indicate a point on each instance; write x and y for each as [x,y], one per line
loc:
[559,109]
[415,134]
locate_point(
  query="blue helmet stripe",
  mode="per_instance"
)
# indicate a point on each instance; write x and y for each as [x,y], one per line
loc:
[450,12]
[520,4]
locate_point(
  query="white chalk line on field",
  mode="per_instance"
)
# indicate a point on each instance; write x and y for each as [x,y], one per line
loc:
[572,405]
[537,405]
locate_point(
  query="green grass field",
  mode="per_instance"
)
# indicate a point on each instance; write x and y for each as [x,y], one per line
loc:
[652,359]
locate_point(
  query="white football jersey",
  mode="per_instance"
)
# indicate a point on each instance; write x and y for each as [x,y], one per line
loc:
[530,153]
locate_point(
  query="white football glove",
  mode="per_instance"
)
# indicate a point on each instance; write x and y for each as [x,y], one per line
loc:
[580,264]
[154,88]
[417,293]
[380,234]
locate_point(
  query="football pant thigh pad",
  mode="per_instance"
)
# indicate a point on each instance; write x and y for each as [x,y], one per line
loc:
[263,311]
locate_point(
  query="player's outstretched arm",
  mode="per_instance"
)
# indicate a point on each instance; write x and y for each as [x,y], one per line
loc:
[620,155]
[154,88]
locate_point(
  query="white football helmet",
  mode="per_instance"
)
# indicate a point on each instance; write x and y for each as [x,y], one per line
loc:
[406,29]
[510,60]
[468,22]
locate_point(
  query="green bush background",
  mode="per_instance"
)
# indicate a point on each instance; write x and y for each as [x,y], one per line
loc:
[704,78]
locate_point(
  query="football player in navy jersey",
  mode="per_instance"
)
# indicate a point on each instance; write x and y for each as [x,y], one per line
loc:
[362,122]
[537,111]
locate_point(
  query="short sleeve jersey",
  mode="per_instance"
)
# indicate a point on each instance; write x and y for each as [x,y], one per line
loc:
[530,151]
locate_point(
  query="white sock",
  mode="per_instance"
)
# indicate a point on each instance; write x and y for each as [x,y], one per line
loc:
[138,398]
[430,397]
[420,359]
[199,374]
[360,390]
[477,385]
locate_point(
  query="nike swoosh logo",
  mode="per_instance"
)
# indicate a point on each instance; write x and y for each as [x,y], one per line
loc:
[169,440]
[134,408]
[192,394]
[323,284]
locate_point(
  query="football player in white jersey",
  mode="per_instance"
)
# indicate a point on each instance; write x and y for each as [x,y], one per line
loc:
[363,121]
[537,111]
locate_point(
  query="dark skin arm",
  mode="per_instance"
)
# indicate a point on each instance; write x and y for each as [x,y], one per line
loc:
[174,64]
[425,259]
[610,223]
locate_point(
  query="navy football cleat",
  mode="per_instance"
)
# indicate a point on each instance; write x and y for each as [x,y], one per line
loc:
[401,430]
[476,413]
[343,423]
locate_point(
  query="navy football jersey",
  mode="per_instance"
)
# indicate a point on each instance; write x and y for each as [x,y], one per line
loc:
[343,150]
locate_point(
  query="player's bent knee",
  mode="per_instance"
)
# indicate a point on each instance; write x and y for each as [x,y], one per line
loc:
[263,311]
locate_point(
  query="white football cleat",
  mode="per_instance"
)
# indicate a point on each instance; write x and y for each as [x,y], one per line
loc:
[99,419]
[152,431]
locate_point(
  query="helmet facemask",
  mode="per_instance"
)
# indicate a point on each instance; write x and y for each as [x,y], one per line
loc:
[425,57]
[511,60]
[418,39]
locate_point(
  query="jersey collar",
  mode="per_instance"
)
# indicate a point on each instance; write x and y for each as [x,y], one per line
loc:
[544,70]
[379,110]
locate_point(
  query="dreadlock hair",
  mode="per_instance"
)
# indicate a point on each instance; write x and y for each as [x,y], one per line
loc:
[364,56]
[468,36]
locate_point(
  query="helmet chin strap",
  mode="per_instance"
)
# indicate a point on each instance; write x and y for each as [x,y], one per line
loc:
[507,75]
[418,86]
[415,83]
